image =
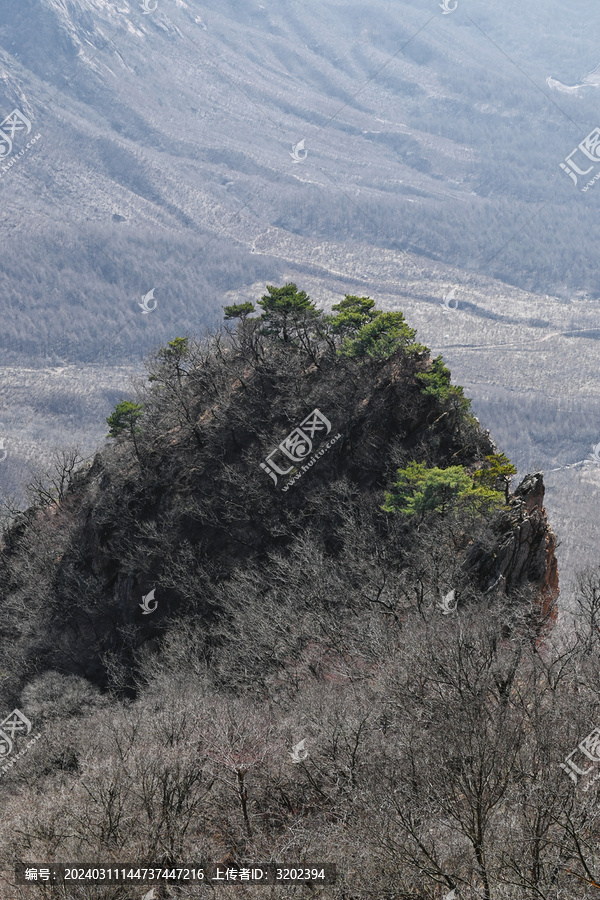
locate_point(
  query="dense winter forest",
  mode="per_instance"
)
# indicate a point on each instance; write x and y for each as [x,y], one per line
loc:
[433,146]
[347,651]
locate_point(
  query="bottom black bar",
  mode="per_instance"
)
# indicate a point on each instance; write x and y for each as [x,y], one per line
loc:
[196,873]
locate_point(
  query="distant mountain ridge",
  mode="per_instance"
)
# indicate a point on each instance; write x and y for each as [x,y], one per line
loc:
[166,133]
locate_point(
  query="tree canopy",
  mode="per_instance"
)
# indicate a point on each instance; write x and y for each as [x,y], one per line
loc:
[352,314]
[421,491]
[239,310]
[379,337]
[286,310]
[124,417]
[496,473]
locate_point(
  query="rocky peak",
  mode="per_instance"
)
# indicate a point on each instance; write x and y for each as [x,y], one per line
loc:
[523,550]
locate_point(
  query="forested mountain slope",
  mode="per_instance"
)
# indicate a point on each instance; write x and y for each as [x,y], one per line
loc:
[292,612]
[168,134]
[189,500]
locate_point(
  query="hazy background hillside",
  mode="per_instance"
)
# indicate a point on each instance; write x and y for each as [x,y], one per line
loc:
[433,145]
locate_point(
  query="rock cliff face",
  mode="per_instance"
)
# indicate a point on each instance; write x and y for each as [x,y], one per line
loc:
[523,550]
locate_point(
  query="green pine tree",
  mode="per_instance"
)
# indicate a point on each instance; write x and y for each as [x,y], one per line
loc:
[496,473]
[124,417]
[422,491]
[286,312]
[380,337]
[352,314]
[123,421]
[239,311]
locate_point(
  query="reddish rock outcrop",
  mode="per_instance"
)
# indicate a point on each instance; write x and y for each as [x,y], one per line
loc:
[520,552]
